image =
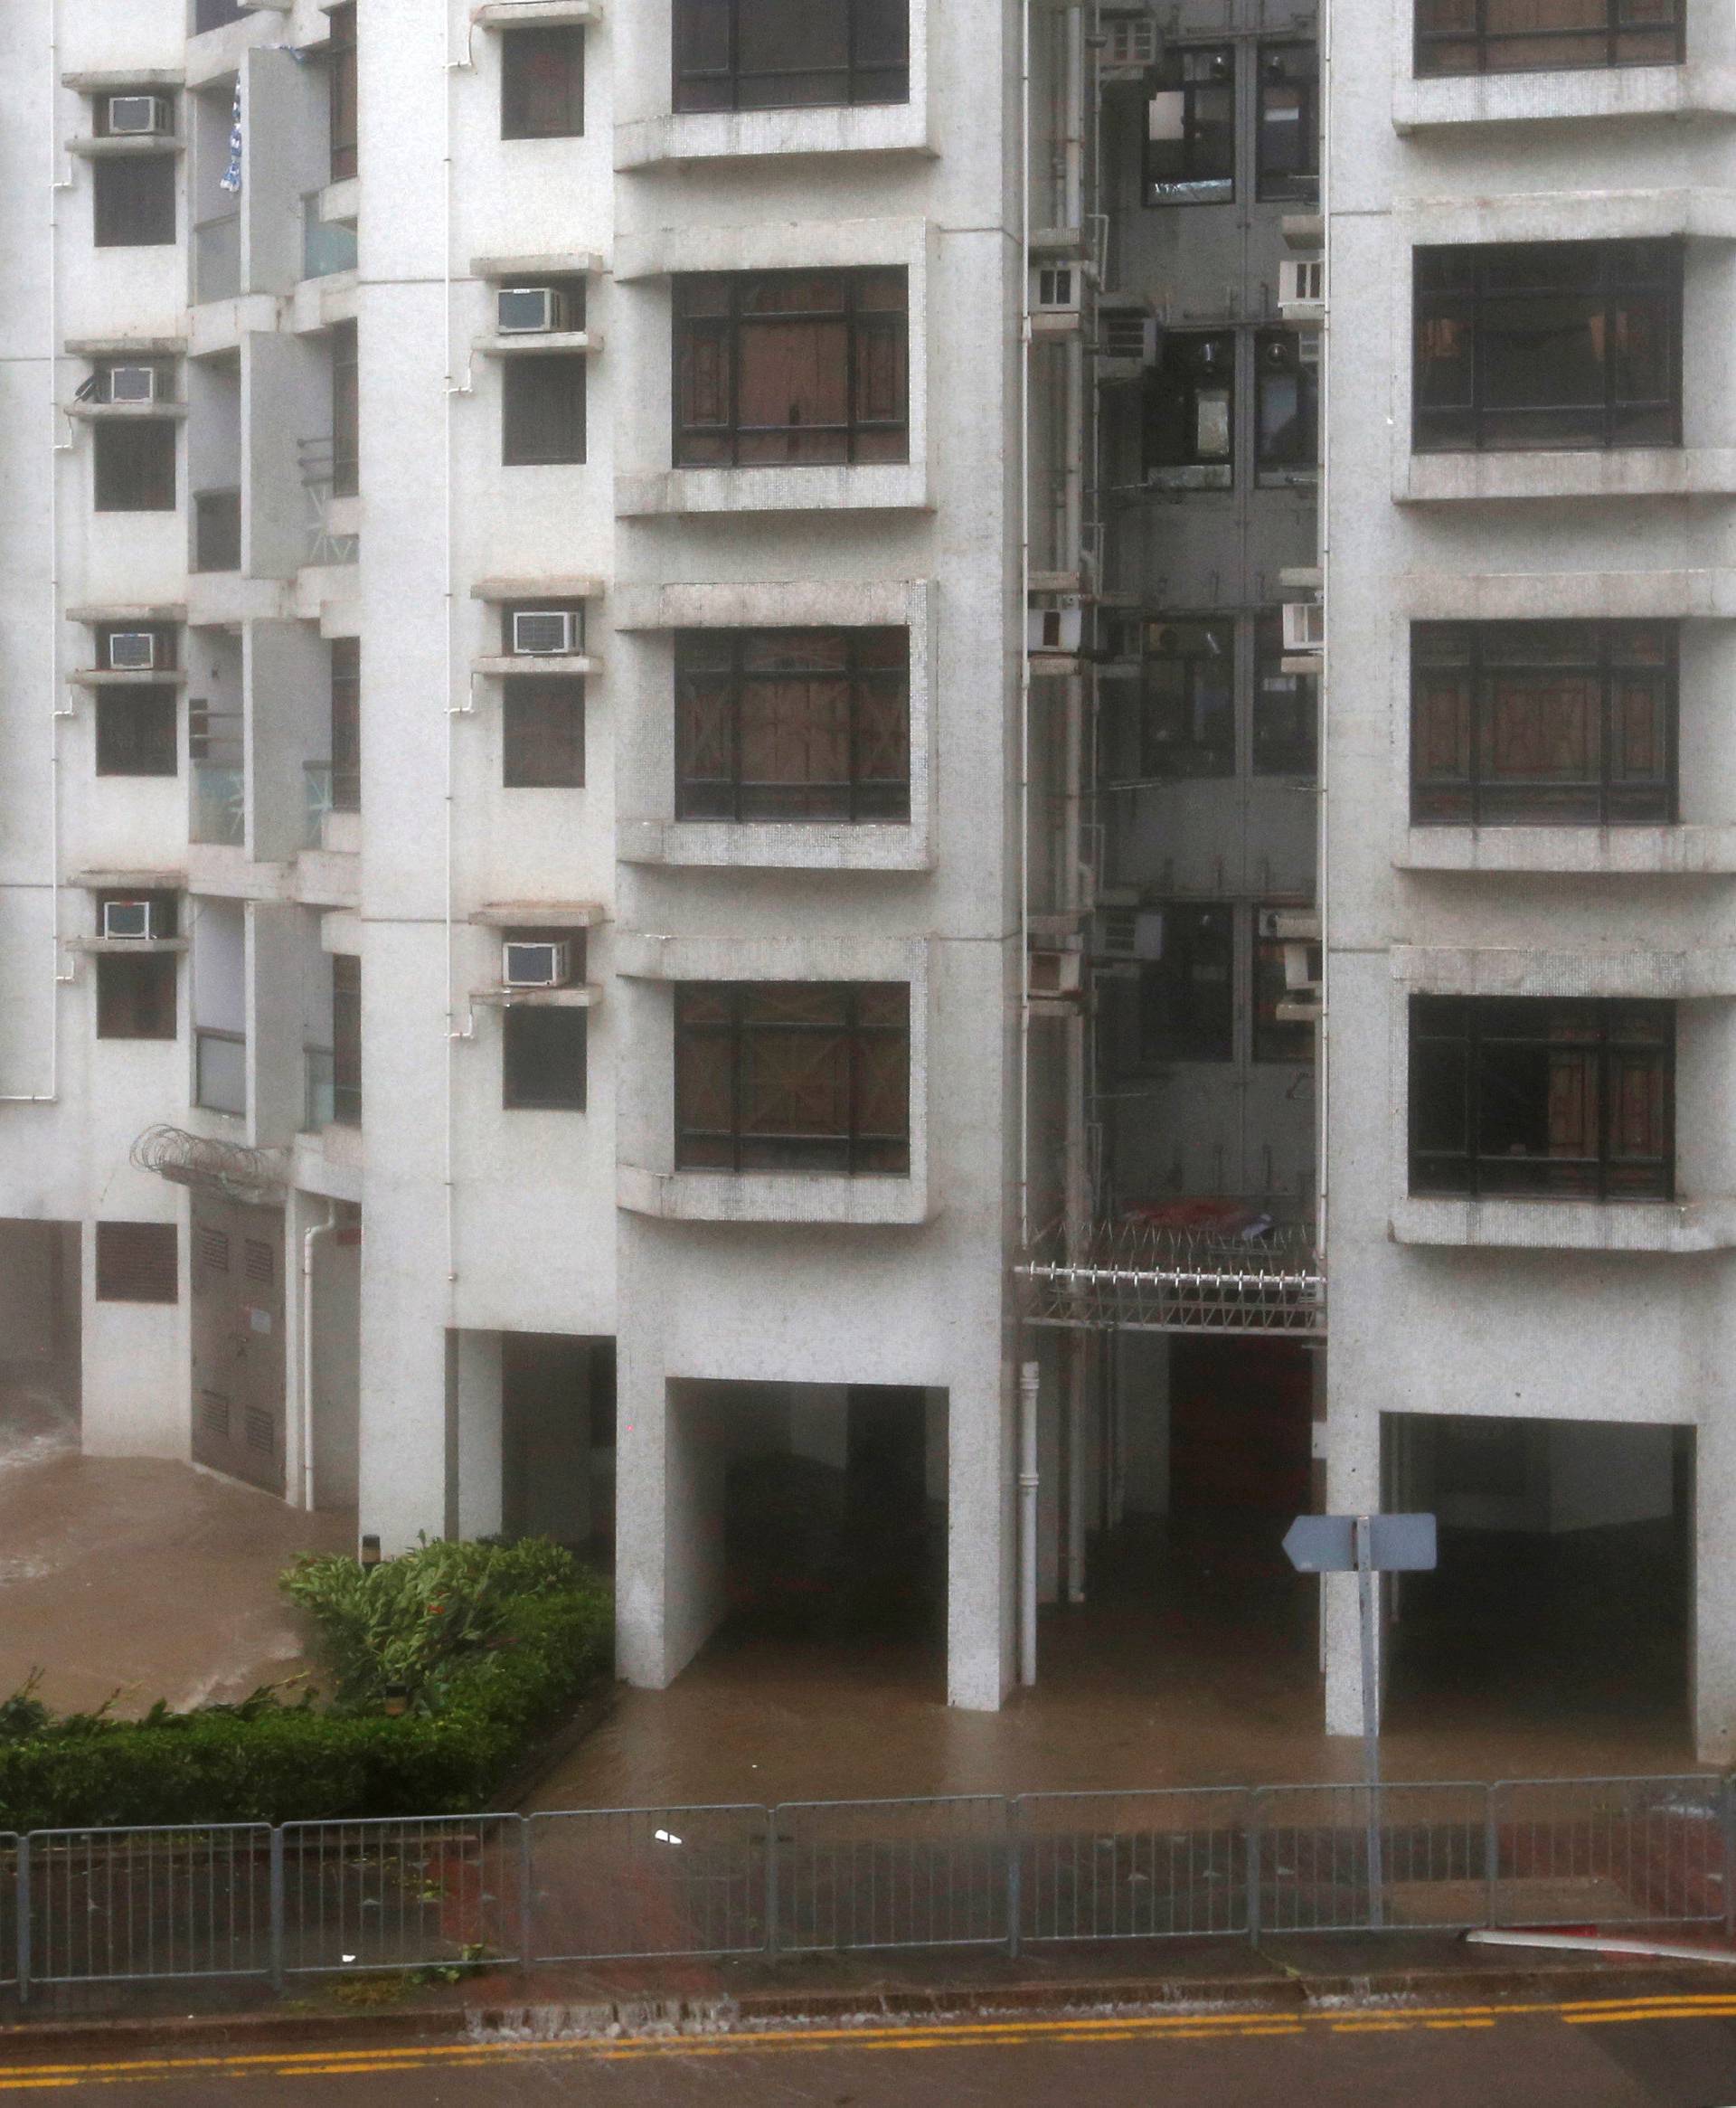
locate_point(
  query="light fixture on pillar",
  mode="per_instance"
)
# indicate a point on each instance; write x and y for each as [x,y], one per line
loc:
[370,1551]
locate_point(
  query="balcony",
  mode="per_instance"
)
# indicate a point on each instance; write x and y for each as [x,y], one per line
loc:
[217,258]
[218,817]
[1139,1275]
[217,530]
[328,246]
[220,1070]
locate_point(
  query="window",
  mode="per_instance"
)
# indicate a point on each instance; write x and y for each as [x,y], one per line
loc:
[1187,995]
[1288,145]
[1539,724]
[1287,707]
[1277,1039]
[1190,424]
[347,411]
[216,14]
[793,1076]
[136,995]
[1536,1095]
[339,89]
[216,530]
[1286,406]
[1187,725]
[542,82]
[134,201]
[1524,36]
[774,367]
[1191,128]
[346,724]
[542,738]
[137,731]
[793,725]
[137,1263]
[347,1039]
[788,54]
[1567,344]
[543,408]
[542,1059]
[134,468]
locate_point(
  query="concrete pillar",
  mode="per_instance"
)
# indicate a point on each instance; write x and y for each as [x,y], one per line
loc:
[403,1405]
[1714,1586]
[641,1549]
[981,1541]
[1353,1487]
[479,1432]
[671,1452]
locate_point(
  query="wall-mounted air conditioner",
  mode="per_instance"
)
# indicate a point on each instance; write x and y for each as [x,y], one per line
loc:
[1290,925]
[1302,286]
[1061,627]
[132,384]
[132,651]
[1132,933]
[530,310]
[140,117]
[1055,973]
[1304,626]
[1130,43]
[545,964]
[132,920]
[542,633]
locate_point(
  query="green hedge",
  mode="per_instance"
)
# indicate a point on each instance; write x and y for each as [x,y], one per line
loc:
[488,1644]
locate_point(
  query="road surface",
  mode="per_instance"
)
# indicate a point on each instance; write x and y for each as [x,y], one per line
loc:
[1679,2052]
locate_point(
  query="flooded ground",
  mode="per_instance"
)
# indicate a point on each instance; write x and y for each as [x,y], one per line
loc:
[139,1576]
[1207,1675]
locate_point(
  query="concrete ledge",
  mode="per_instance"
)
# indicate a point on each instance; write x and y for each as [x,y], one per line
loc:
[878,486]
[794,603]
[1567,97]
[651,142]
[1618,472]
[1706,971]
[1696,211]
[768,1197]
[1663,852]
[1569,1225]
[1517,596]
[218,599]
[796,846]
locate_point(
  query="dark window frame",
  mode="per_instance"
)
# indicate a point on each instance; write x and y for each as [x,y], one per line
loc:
[725,691]
[1184,374]
[1190,182]
[851,1149]
[532,434]
[531,740]
[1470,48]
[347,1039]
[1295,461]
[1479,794]
[1189,1039]
[133,201]
[137,1263]
[1190,703]
[139,730]
[520,97]
[139,995]
[1299,755]
[862,80]
[523,1085]
[343,129]
[1474,1035]
[346,411]
[1273,1042]
[1622,281]
[135,465]
[723,338]
[346,657]
[1299,185]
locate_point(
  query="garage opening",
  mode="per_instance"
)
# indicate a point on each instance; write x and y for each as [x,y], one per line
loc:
[1565,1586]
[38,1337]
[558,1442]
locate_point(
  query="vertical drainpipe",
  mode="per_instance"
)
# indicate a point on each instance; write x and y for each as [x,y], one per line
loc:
[1028,1482]
[314,1232]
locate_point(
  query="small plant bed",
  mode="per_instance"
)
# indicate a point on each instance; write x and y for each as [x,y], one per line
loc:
[445,1667]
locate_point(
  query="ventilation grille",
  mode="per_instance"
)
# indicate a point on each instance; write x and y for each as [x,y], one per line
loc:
[214,1413]
[257,1426]
[213,1249]
[259,1266]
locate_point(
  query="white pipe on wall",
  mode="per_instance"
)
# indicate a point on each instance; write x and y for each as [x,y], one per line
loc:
[1028,1484]
[314,1232]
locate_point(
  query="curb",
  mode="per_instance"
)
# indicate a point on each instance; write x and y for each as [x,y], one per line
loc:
[574,2019]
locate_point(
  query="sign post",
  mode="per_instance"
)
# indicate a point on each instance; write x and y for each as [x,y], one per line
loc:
[1366,1544]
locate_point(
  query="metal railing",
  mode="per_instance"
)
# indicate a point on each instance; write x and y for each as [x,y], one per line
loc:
[328,246]
[589,1885]
[220,1070]
[1149,1276]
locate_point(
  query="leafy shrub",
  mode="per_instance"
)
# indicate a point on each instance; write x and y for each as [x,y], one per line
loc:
[520,1632]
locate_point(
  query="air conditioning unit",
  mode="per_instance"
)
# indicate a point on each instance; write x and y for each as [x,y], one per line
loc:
[530,310]
[1055,973]
[1301,282]
[131,920]
[545,964]
[1304,626]
[135,116]
[1129,42]
[1058,629]
[132,383]
[132,651]
[1129,335]
[1290,925]
[1134,933]
[542,633]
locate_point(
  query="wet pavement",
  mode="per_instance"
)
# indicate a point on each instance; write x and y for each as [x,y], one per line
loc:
[138,1576]
[1207,1675]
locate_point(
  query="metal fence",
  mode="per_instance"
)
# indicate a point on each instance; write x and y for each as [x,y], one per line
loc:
[238,1900]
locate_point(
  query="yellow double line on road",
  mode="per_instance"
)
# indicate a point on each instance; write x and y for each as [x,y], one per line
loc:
[1036,2031]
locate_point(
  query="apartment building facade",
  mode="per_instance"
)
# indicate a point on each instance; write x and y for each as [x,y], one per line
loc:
[747,807]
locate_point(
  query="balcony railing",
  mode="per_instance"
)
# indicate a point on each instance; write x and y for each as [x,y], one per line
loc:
[327,789]
[326,245]
[216,530]
[217,256]
[1153,1277]
[220,1070]
[219,814]
[329,1102]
